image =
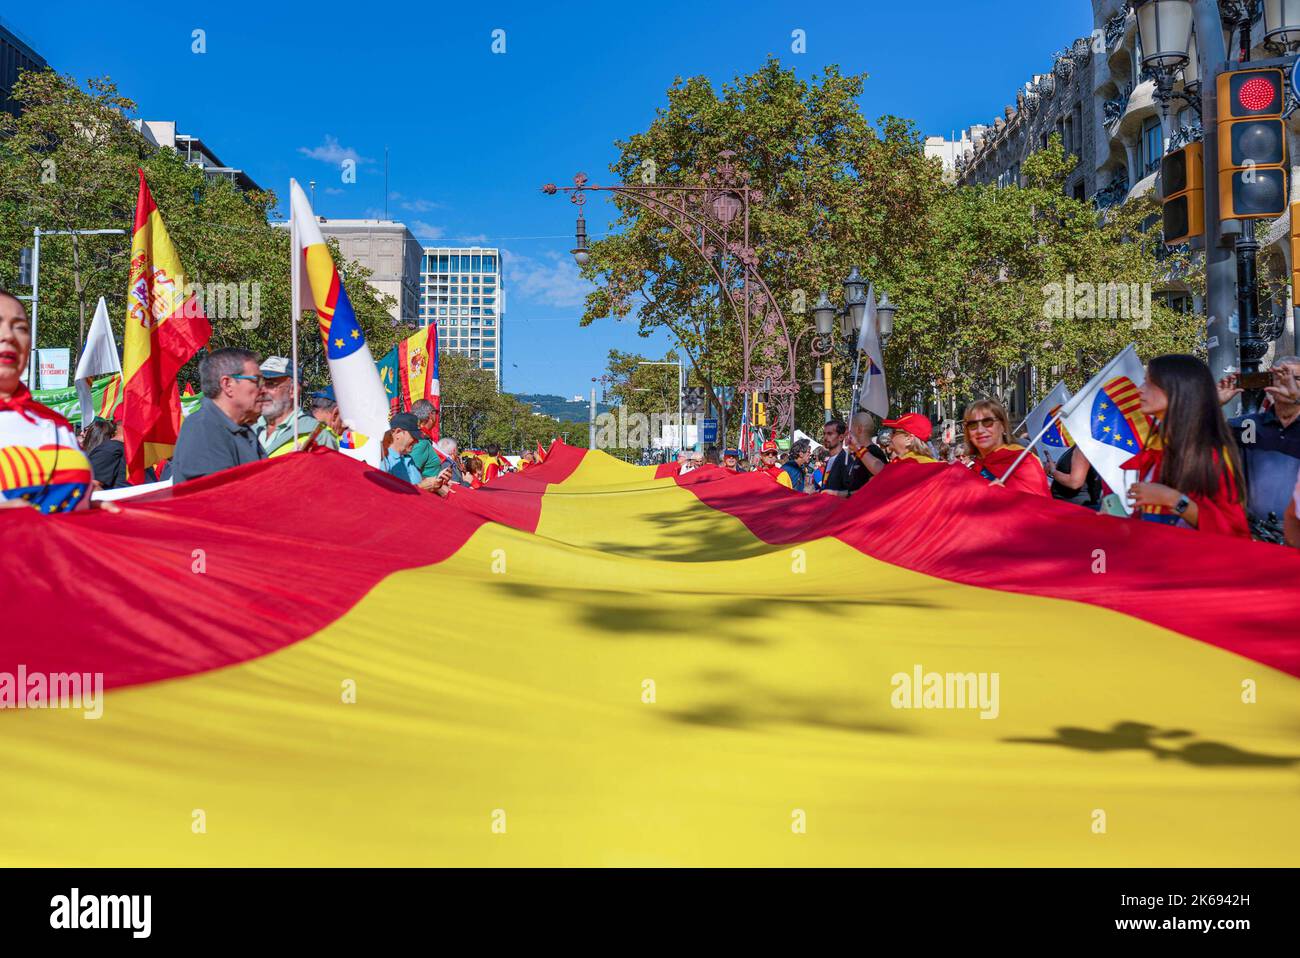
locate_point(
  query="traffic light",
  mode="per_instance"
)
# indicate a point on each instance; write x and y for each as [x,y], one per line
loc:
[1252,144]
[1182,179]
[1295,254]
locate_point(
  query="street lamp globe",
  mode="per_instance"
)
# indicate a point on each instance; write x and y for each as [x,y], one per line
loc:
[855,288]
[1165,27]
[1282,21]
[885,311]
[824,315]
[818,385]
[580,253]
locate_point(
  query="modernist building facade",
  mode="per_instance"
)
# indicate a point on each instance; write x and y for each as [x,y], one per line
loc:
[194,151]
[16,56]
[461,293]
[1103,105]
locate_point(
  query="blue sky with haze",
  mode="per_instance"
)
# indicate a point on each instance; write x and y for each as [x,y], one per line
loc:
[292,89]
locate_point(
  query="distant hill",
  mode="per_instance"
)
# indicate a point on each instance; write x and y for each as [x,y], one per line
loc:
[557,407]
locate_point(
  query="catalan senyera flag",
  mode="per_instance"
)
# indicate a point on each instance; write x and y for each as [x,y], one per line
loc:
[363,403]
[164,329]
[931,670]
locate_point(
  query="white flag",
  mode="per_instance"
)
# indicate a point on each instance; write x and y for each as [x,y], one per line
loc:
[873,395]
[1056,440]
[363,404]
[1105,420]
[98,358]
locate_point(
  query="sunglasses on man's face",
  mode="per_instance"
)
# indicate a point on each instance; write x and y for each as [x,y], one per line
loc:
[980,423]
[261,383]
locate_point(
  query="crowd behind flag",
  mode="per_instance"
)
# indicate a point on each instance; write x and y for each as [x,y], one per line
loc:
[358,390]
[164,329]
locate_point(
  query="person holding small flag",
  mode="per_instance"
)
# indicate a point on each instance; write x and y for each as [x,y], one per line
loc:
[1189,469]
[994,456]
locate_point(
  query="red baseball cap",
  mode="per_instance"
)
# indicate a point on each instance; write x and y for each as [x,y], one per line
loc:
[770,446]
[913,423]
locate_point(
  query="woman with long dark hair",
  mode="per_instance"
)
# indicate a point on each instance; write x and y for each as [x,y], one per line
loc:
[1189,471]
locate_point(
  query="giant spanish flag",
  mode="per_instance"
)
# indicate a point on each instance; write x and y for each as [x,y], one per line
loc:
[715,670]
[165,327]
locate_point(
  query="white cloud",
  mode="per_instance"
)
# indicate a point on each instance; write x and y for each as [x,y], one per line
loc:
[420,206]
[331,152]
[334,191]
[553,280]
[426,230]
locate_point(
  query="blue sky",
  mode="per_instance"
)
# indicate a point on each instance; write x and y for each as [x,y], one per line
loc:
[290,89]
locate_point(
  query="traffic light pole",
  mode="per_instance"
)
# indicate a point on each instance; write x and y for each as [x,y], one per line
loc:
[1221,304]
[1253,347]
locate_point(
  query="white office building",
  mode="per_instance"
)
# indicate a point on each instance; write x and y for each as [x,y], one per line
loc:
[460,291]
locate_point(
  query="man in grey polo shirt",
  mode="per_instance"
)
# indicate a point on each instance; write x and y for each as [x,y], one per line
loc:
[221,434]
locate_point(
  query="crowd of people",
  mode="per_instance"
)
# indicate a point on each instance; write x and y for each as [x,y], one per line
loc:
[1197,470]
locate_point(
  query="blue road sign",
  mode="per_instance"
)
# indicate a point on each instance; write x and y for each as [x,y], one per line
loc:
[709,430]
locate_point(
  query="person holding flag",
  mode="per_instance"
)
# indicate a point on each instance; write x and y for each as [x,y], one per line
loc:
[995,456]
[1189,469]
[164,329]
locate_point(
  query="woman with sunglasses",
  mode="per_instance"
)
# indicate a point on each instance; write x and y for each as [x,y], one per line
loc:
[993,454]
[1188,469]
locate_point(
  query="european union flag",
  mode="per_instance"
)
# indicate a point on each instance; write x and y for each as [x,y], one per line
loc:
[345,336]
[1117,419]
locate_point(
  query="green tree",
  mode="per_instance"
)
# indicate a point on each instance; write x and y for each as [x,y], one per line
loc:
[69,162]
[837,192]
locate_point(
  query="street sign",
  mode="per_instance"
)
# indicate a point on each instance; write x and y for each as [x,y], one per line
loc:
[709,430]
[54,364]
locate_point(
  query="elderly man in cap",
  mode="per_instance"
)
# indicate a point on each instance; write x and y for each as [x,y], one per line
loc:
[731,460]
[400,460]
[280,410]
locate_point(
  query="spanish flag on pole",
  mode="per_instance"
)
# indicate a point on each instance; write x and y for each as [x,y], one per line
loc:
[164,329]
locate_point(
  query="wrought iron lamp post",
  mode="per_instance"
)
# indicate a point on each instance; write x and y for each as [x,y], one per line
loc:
[714,217]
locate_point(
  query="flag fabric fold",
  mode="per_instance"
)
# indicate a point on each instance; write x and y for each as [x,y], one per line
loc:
[873,393]
[165,326]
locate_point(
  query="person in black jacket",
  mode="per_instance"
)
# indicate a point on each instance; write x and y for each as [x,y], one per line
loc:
[844,472]
[106,451]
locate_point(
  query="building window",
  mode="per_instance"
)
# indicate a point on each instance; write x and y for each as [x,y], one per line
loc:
[1152,145]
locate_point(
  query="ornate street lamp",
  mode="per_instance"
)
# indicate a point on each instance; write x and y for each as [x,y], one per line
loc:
[580,251]
[885,311]
[1282,22]
[1165,30]
[1165,27]
[713,217]
[824,316]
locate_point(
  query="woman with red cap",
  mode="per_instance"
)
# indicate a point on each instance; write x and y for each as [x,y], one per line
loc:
[994,456]
[910,441]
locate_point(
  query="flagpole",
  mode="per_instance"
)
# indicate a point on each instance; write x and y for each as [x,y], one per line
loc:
[295,278]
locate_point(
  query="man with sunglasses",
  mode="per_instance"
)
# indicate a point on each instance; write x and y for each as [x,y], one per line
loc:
[222,433]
